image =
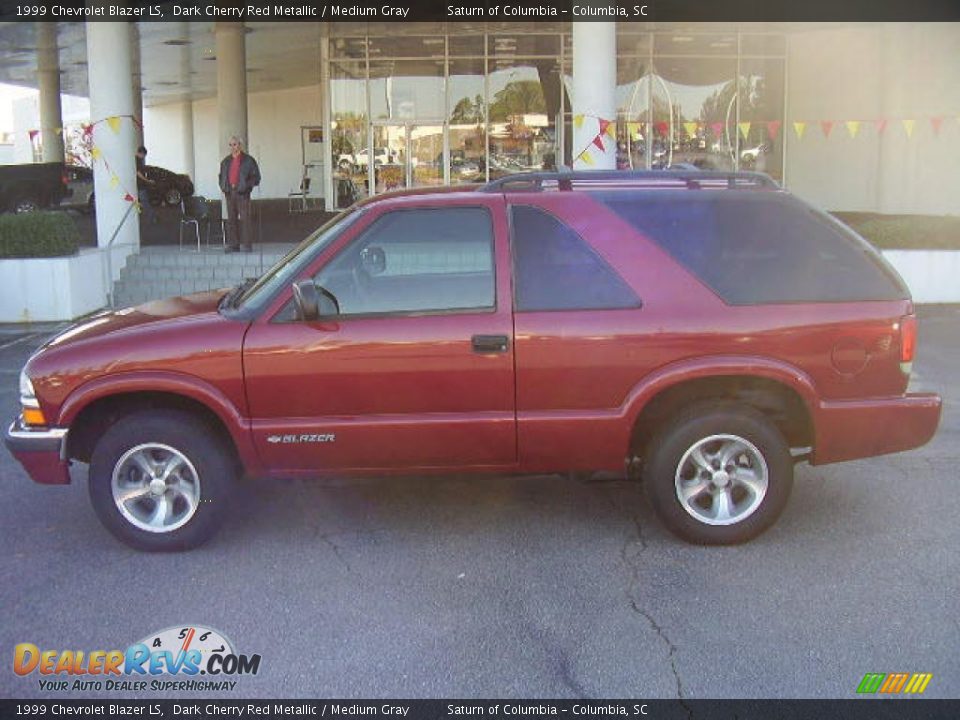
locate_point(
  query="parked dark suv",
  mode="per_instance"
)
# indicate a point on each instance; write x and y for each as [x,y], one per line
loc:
[705,331]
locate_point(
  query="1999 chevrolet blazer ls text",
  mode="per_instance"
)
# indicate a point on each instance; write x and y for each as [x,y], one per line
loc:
[707,330]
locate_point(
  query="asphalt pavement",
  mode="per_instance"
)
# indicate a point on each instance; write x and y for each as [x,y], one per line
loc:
[525,587]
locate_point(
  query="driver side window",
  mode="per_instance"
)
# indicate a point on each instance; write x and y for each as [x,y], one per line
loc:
[416,260]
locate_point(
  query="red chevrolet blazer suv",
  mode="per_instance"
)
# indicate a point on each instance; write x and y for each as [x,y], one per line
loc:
[701,331]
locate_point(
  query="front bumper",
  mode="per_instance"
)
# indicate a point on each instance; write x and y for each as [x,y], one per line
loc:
[41,452]
[848,430]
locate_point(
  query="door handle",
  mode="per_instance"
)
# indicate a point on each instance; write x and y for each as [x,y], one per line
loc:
[490,343]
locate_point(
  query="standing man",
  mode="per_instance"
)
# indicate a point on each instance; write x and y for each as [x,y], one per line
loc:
[143,187]
[239,175]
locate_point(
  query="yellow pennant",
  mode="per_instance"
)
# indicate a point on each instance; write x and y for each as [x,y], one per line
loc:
[744,129]
[633,129]
[138,206]
[691,128]
[578,121]
[95,152]
[908,126]
[799,128]
[612,130]
[585,158]
[114,122]
[114,181]
[853,127]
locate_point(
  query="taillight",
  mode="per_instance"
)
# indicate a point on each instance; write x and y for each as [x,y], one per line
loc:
[908,342]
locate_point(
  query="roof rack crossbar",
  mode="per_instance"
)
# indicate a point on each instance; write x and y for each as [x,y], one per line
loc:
[534,181]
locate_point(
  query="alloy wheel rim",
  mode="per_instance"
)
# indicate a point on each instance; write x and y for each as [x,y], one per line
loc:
[721,479]
[155,487]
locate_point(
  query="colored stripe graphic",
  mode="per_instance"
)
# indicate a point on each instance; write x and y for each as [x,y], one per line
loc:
[894,683]
[871,682]
[918,683]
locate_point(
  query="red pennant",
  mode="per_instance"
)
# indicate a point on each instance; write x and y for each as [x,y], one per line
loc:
[604,124]
[773,127]
[881,125]
[598,141]
[129,198]
[662,127]
[33,134]
[717,129]
[136,121]
[935,123]
[88,129]
[826,126]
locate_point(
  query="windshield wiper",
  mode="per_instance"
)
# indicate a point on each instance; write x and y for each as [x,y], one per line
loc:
[231,298]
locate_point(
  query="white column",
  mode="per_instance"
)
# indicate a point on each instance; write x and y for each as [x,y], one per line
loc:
[111,95]
[231,82]
[48,78]
[188,159]
[594,92]
[136,84]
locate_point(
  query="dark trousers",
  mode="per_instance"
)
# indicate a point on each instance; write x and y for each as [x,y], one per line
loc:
[239,223]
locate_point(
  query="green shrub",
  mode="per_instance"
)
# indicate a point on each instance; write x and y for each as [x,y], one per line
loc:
[906,232]
[38,234]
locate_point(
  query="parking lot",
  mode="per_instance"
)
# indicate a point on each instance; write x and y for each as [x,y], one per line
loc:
[516,587]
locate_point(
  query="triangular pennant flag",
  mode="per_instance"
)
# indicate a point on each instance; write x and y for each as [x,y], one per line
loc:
[33,133]
[691,128]
[881,125]
[137,122]
[908,126]
[853,127]
[773,127]
[114,122]
[935,123]
[578,121]
[744,129]
[598,141]
[114,181]
[128,197]
[633,130]
[612,130]
[58,130]
[87,129]
[95,153]
[662,127]
[604,124]
[585,158]
[799,128]
[826,126]
[717,128]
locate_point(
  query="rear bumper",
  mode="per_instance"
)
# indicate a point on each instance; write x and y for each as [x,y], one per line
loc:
[42,453]
[864,428]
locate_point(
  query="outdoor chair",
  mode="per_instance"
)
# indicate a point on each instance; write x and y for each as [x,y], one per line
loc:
[300,196]
[194,211]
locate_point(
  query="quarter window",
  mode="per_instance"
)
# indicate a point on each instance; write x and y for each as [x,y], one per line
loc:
[419,260]
[554,269]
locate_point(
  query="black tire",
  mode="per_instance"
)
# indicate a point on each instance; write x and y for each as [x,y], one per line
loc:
[172,196]
[717,428]
[210,464]
[25,204]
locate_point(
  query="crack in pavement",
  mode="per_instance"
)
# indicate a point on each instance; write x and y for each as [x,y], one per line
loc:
[629,560]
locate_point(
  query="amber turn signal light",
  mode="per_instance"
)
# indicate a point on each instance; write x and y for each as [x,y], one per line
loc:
[33,416]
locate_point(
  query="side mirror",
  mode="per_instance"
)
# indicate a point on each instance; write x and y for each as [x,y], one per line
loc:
[373,260]
[311,302]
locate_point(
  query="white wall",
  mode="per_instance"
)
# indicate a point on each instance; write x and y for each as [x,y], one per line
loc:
[274,119]
[896,71]
[62,288]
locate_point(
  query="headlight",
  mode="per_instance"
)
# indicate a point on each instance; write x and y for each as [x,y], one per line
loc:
[28,397]
[30,411]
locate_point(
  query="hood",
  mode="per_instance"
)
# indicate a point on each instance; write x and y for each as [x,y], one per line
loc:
[114,321]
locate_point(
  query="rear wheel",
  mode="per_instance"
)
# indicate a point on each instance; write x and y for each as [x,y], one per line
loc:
[25,204]
[160,480]
[718,474]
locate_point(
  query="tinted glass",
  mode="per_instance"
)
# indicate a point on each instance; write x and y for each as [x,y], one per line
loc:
[554,269]
[761,247]
[420,260]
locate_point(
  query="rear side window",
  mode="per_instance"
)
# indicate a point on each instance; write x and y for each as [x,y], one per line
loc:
[555,269]
[755,248]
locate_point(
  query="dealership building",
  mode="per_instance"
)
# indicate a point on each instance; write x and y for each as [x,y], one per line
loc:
[849,116]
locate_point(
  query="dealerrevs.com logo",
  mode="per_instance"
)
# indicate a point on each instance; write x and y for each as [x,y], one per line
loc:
[172,659]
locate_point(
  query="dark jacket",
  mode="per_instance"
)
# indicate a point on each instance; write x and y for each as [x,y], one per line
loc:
[249,174]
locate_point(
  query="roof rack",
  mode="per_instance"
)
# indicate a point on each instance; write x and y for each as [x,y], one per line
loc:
[691,179]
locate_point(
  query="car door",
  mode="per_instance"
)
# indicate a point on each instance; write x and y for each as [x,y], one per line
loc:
[416,370]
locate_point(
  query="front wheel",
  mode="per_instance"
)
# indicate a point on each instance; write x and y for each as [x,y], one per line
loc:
[718,474]
[160,480]
[172,196]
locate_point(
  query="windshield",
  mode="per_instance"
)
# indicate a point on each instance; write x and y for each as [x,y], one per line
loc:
[290,264]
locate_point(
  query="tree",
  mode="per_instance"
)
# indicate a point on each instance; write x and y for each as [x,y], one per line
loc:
[518,98]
